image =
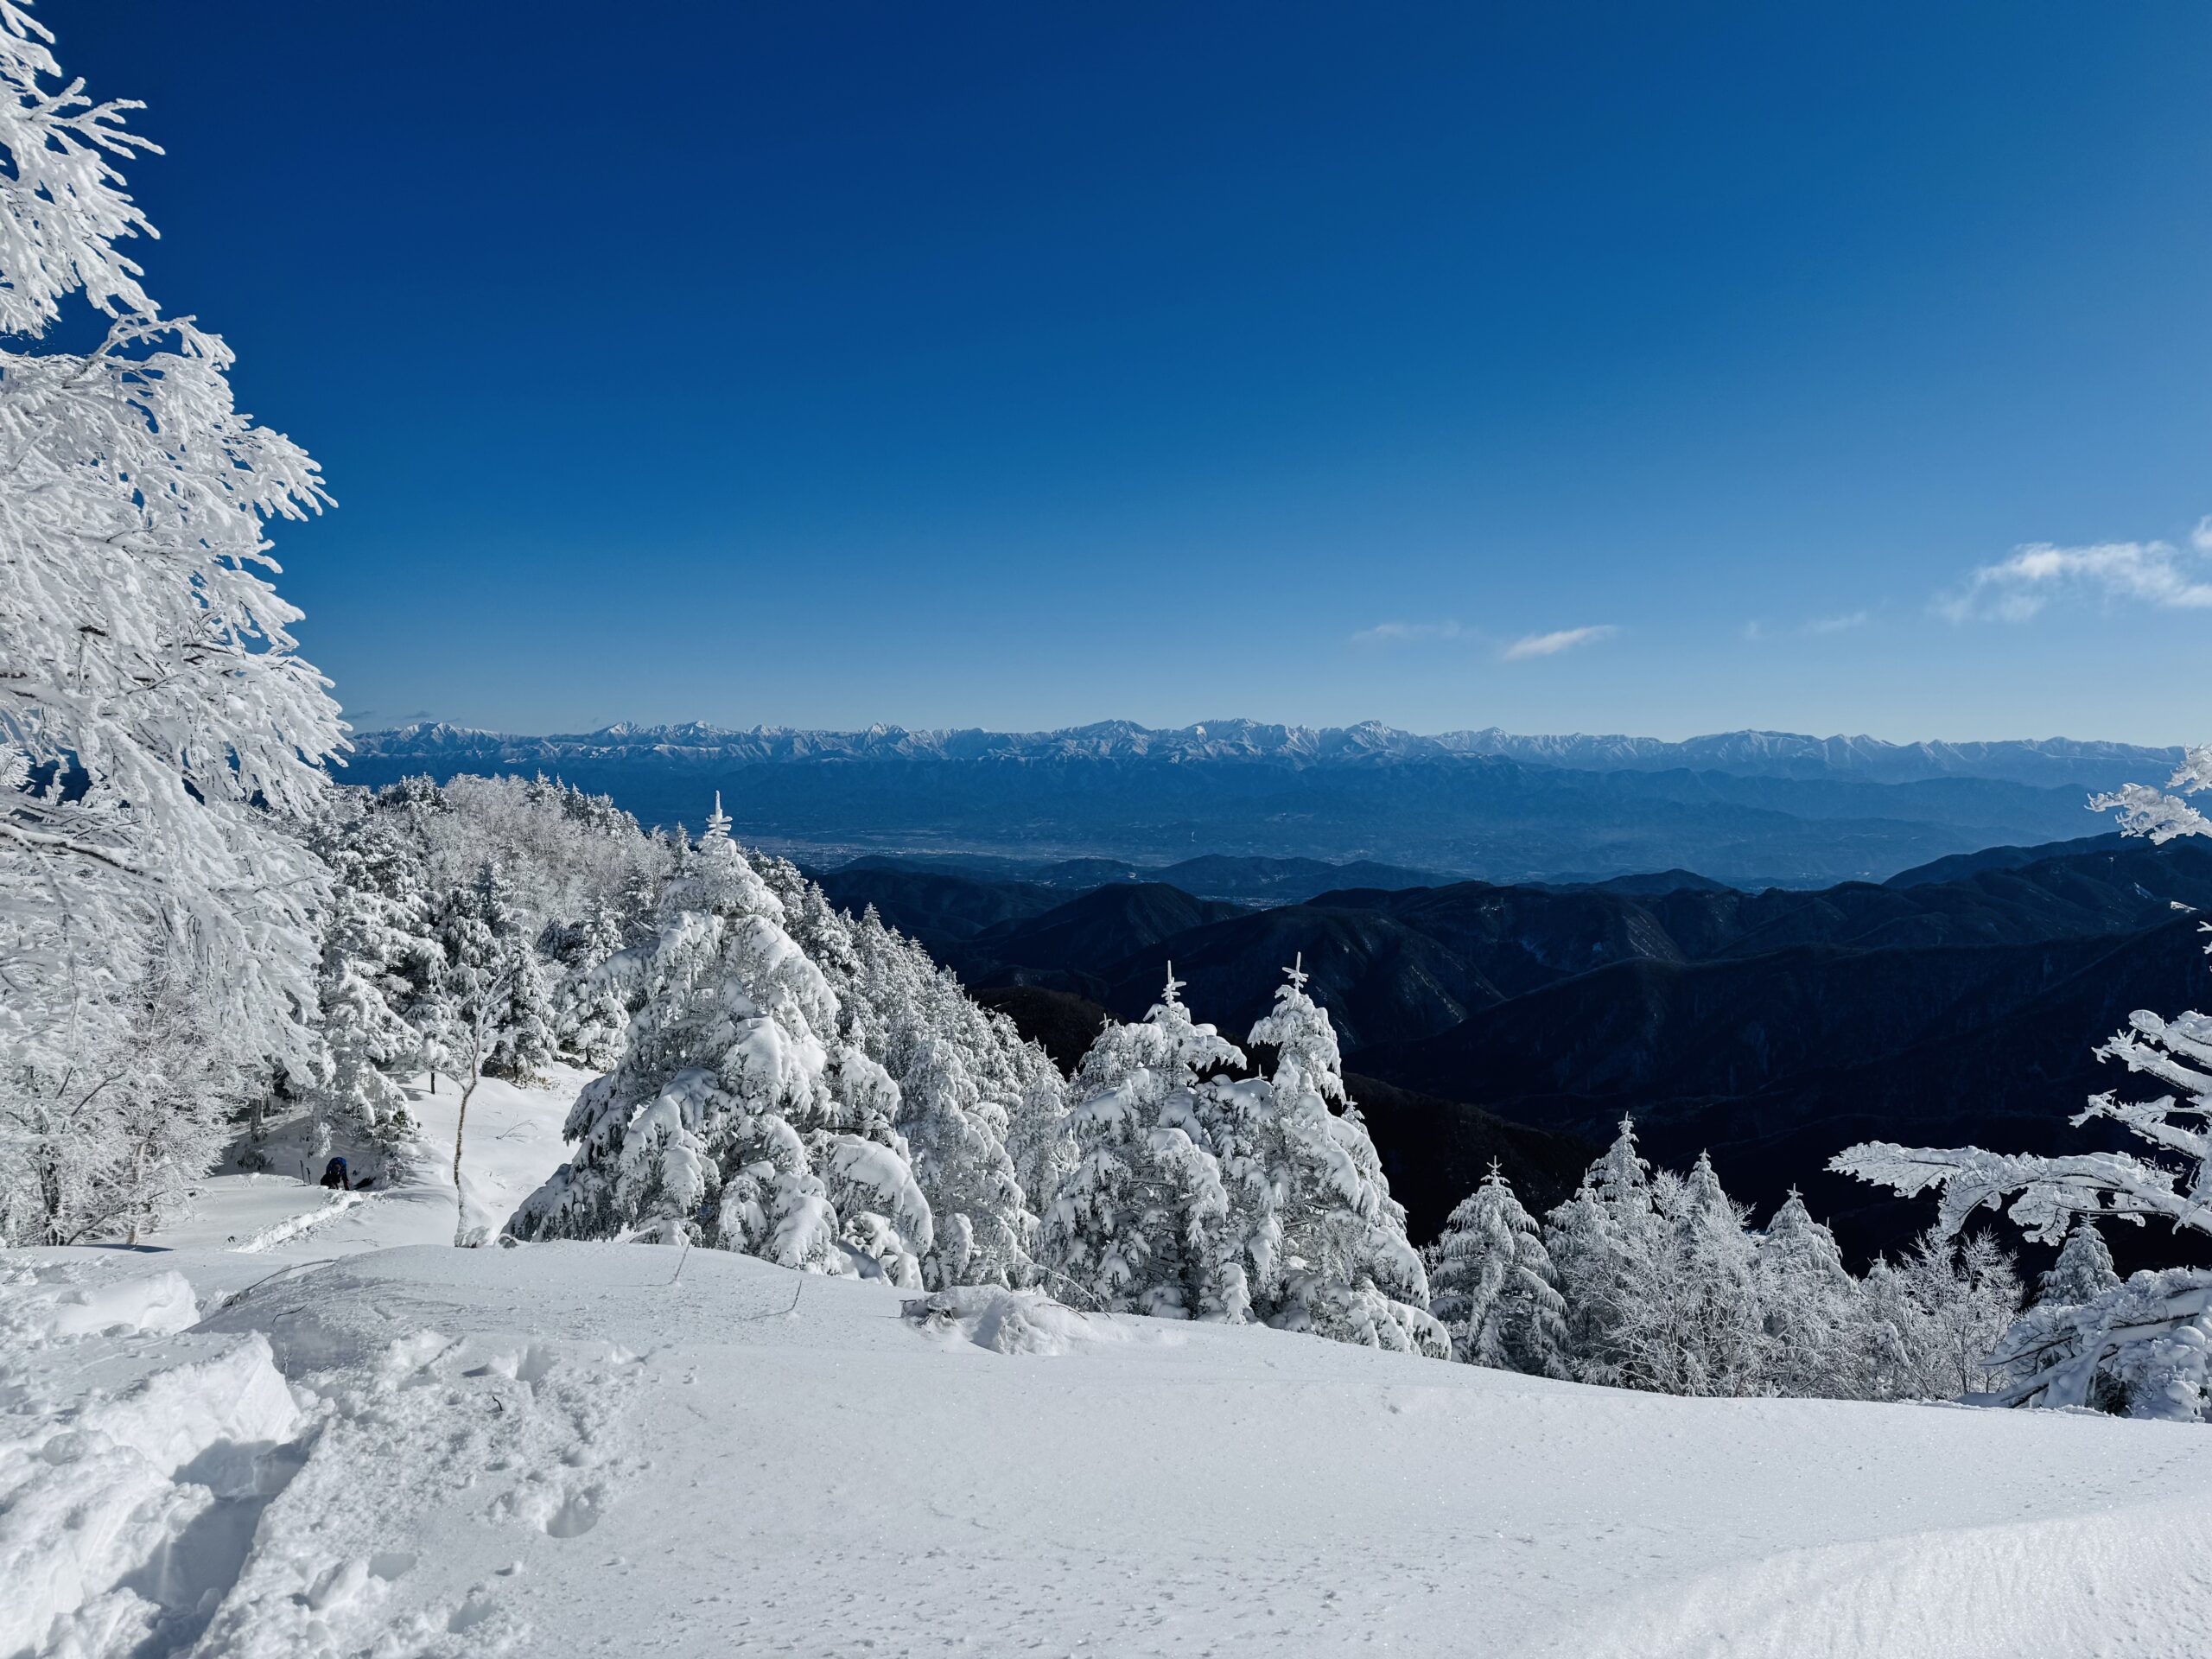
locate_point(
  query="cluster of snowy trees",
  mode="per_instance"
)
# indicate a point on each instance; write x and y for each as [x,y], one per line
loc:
[811,1088]
[465,923]
[1651,1280]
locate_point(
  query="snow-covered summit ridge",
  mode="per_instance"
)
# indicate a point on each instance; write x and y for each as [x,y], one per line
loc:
[2049,761]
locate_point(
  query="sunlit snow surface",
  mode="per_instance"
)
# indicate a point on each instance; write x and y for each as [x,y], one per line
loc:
[576,1449]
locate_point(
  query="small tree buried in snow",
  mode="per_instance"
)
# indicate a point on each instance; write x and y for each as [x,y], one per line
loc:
[2147,1345]
[737,1118]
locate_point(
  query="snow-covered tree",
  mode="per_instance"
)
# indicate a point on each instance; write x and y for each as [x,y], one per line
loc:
[1690,1320]
[378,956]
[2157,814]
[1038,1137]
[1492,1286]
[493,988]
[1602,1240]
[111,1143]
[1341,1265]
[1944,1308]
[958,1135]
[590,1015]
[1137,1225]
[737,1117]
[961,1071]
[158,724]
[2143,1348]
[1820,1341]
[2060,1351]
[2083,1271]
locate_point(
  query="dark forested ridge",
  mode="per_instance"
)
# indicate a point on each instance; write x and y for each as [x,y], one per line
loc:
[1772,1027]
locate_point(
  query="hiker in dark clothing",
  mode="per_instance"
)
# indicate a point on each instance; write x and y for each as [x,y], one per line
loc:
[333,1174]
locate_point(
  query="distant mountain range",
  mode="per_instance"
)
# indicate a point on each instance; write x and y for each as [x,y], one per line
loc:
[2043,761]
[1747,808]
[1955,1004]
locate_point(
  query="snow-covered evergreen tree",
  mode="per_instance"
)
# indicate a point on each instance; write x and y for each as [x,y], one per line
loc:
[1691,1322]
[1601,1242]
[590,1015]
[960,1070]
[1820,1342]
[159,729]
[957,1133]
[2083,1271]
[1341,1265]
[1137,1225]
[377,955]
[737,1117]
[1040,1138]
[1491,1284]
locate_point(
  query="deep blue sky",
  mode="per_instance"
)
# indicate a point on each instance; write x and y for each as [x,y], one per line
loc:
[1020,366]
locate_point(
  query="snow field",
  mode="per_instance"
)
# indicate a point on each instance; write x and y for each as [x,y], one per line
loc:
[571,1449]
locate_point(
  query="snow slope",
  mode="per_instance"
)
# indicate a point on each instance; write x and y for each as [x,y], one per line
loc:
[514,1143]
[596,1449]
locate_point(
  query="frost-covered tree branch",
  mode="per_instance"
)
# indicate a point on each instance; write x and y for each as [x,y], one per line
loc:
[158,730]
[2157,814]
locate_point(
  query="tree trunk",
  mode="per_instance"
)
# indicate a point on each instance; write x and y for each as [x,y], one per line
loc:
[460,1128]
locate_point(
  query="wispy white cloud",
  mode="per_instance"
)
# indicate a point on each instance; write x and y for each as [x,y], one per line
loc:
[1755,629]
[1842,624]
[1550,644]
[2017,588]
[1401,633]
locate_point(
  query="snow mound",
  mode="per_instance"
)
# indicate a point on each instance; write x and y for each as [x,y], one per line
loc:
[1009,1321]
[135,1460]
[41,1303]
[2100,1583]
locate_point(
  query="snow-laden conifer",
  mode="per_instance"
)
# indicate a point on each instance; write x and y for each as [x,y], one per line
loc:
[1138,1223]
[1816,1325]
[2083,1271]
[737,1117]
[1601,1241]
[1690,1321]
[590,1015]
[961,1071]
[1491,1284]
[1344,1268]
[958,1135]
